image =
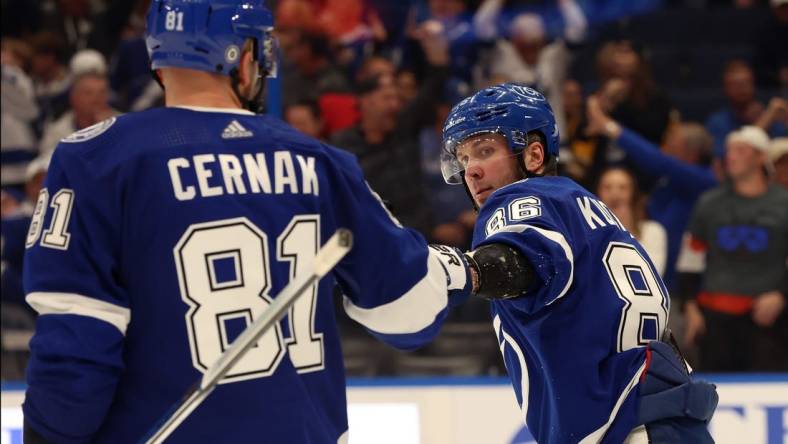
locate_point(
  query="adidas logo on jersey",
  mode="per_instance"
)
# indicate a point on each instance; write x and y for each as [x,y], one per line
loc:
[235,130]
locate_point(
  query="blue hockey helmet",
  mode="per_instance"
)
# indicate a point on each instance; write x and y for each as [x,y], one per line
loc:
[508,109]
[208,35]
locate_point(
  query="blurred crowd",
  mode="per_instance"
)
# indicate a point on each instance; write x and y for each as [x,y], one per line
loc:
[673,112]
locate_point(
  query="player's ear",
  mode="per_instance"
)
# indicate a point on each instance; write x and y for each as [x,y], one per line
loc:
[246,69]
[534,156]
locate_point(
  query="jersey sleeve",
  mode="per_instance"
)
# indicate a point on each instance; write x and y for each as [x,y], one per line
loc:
[396,286]
[71,280]
[530,224]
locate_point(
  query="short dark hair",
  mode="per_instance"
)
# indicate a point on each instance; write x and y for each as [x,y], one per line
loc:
[371,84]
[49,42]
[318,43]
[367,85]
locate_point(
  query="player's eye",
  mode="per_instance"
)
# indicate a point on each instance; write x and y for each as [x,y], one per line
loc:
[463,159]
[486,151]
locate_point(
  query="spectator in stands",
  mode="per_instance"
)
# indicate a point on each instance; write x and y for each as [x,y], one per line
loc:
[339,109]
[17,140]
[744,108]
[305,117]
[407,81]
[308,70]
[350,21]
[89,101]
[629,92]
[294,18]
[454,218]
[680,168]
[386,143]
[73,21]
[778,154]
[733,264]
[450,23]
[618,189]
[133,87]
[528,57]
[407,85]
[386,137]
[578,150]
[354,27]
[375,65]
[14,228]
[50,74]
[87,61]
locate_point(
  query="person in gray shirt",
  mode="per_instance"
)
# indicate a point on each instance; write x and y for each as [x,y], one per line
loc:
[732,269]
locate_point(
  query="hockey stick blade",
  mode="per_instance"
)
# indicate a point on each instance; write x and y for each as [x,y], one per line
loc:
[326,259]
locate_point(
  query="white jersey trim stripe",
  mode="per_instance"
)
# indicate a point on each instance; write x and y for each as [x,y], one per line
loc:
[385,208]
[207,109]
[597,434]
[46,303]
[343,438]
[413,311]
[555,237]
[638,435]
[524,381]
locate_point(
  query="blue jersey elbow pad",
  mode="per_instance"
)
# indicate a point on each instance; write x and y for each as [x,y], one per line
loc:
[504,273]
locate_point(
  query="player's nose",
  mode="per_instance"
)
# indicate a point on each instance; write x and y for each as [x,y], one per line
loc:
[473,171]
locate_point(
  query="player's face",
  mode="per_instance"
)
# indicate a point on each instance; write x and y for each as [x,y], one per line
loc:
[489,165]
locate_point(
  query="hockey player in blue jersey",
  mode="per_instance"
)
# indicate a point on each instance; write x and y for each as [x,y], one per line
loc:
[160,235]
[577,306]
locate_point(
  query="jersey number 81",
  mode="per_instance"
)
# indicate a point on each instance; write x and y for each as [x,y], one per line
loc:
[224,277]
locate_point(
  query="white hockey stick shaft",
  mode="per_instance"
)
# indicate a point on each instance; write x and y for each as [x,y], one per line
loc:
[329,255]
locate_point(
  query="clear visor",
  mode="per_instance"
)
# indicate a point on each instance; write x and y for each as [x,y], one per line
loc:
[270,52]
[459,155]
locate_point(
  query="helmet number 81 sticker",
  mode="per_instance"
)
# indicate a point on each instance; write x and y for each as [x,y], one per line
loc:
[173,21]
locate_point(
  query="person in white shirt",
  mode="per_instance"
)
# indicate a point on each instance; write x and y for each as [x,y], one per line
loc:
[618,189]
[527,56]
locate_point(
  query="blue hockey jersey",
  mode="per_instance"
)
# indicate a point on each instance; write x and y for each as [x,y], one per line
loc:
[573,346]
[161,235]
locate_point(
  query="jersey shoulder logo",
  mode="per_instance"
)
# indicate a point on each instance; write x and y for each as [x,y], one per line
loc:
[90,132]
[235,130]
